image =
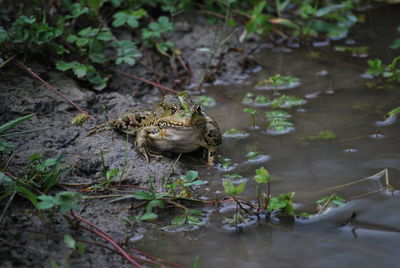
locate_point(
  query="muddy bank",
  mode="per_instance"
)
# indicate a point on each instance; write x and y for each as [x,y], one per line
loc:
[21,94]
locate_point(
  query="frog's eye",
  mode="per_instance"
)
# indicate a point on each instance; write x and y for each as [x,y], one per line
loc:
[174,109]
[198,109]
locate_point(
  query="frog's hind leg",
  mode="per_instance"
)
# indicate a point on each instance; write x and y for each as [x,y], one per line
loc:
[126,124]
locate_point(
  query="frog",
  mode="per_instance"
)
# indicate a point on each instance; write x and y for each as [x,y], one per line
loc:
[176,125]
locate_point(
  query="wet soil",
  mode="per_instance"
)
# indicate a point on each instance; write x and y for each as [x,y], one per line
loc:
[21,94]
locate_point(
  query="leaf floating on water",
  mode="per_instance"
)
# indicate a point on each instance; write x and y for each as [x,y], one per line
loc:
[278,82]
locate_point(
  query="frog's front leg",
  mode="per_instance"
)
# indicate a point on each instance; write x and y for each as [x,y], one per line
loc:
[142,143]
[211,155]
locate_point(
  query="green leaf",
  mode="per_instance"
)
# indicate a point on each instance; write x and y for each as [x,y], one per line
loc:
[149,216]
[69,241]
[143,195]
[196,263]
[179,220]
[250,111]
[6,147]
[64,66]
[193,220]
[46,202]
[3,35]
[394,112]
[394,45]
[14,123]
[262,175]
[230,189]
[80,247]
[120,19]
[111,173]
[81,42]
[191,175]
[95,5]
[105,35]
[34,157]
[133,22]
[80,70]
[28,195]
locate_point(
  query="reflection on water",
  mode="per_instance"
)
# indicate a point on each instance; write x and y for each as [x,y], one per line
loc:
[365,144]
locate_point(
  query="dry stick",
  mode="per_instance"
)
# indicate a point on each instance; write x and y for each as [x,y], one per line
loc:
[144,80]
[108,238]
[157,259]
[55,90]
[350,183]
[61,236]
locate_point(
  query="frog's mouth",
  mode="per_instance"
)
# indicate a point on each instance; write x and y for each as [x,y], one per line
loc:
[180,125]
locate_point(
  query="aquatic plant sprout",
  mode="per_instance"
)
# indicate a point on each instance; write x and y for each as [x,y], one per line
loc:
[278,82]
[235,133]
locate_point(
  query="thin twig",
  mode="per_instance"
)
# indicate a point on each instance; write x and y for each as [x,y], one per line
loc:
[55,90]
[106,237]
[144,80]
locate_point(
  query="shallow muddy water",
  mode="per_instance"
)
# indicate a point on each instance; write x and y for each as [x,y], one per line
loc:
[337,100]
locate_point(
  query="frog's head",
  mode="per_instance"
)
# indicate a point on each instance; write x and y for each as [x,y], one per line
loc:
[179,112]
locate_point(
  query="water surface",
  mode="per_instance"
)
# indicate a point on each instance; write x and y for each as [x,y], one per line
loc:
[339,101]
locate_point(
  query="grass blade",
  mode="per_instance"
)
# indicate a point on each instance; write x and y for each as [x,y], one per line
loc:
[14,123]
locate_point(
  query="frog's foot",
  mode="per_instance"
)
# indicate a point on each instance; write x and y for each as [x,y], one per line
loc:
[212,155]
[141,144]
[99,128]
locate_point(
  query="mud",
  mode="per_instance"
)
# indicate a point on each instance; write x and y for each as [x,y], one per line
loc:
[21,94]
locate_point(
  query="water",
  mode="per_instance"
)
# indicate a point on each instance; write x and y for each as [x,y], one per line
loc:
[337,101]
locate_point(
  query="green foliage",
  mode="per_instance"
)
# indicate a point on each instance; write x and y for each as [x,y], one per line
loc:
[252,154]
[233,190]
[39,174]
[394,45]
[191,179]
[14,123]
[251,111]
[287,102]
[282,203]
[156,29]
[72,244]
[6,147]
[262,175]
[128,17]
[75,31]
[253,114]
[259,22]
[190,217]
[65,201]
[226,163]
[331,201]
[127,52]
[276,114]
[389,73]
[394,112]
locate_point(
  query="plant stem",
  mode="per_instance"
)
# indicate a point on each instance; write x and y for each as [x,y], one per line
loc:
[55,90]
[144,80]
[106,237]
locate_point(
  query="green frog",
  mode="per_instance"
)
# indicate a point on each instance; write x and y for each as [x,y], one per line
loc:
[175,125]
